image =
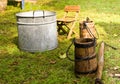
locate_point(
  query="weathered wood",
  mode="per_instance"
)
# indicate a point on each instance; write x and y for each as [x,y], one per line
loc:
[72,8]
[88,65]
[3,5]
[100,63]
[117,75]
[87,29]
[100,60]
[69,20]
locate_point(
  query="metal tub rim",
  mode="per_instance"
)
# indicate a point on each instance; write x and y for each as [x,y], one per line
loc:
[35,15]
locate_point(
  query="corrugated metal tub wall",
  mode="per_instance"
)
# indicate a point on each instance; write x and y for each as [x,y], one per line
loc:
[37,31]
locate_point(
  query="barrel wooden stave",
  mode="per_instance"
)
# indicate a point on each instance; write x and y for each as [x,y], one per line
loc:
[84,66]
[84,32]
[87,66]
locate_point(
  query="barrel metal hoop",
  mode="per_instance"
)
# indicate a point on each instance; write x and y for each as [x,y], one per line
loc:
[85,58]
[85,45]
[87,72]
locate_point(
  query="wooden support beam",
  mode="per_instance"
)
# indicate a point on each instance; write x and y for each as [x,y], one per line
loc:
[100,64]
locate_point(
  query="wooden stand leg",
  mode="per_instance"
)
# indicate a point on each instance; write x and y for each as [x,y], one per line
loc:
[100,64]
[61,28]
[71,31]
[18,3]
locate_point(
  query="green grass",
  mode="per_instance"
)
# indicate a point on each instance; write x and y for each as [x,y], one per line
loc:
[19,67]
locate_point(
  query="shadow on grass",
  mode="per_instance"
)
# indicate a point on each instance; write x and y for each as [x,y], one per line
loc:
[13,3]
[15,41]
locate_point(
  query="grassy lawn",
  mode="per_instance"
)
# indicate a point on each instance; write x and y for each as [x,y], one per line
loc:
[19,67]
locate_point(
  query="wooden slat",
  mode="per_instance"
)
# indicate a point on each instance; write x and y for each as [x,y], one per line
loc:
[72,8]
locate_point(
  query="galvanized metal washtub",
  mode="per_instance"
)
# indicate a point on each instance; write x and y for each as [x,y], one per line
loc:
[37,31]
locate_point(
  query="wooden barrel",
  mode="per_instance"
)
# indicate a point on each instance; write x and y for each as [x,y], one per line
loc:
[3,5]
[85,56]
[87,29]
